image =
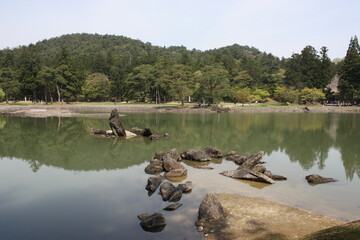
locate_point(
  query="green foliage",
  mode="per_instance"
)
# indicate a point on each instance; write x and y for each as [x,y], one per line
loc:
[242,95]
[9,84]
[308,69]
[97,87]
[2,95]
[286,94]
[311,95]
[350,72]
[214,83]
[260,95]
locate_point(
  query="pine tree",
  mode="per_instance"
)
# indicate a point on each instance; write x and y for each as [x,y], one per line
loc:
[350,73]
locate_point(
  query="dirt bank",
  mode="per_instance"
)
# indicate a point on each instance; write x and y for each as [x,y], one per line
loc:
[74,110]
[250,218]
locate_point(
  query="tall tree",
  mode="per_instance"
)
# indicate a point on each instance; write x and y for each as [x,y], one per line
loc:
[29,66]
[9,83]
[181,82]
[350,72]
[214,83]
[97,87]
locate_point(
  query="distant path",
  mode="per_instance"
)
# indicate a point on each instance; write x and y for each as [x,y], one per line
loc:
[75,110]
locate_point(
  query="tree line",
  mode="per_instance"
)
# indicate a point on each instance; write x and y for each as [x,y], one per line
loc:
[92,67]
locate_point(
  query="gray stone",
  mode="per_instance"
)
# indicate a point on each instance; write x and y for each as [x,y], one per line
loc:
[171,164]
[153,183]
[210,208]
[247,174]
[185,187]
[115,124]
[152,223]
[154,137]
[172,207]
[155,166]
[317,179]
[166,190]
[137,131]
[213,152]
[176,195]
[252,160]
[176,173]
[195,155]
[274,176]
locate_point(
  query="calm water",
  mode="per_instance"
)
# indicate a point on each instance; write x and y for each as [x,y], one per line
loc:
[59,182]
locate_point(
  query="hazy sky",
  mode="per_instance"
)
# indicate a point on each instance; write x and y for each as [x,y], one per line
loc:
[280,27]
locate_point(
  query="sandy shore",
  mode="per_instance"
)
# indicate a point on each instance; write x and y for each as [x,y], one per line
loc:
[76,110]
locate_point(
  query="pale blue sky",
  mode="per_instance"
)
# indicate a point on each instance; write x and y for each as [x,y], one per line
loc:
[280,27]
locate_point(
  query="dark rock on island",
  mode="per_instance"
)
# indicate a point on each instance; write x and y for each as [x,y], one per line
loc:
[116,125]
[317,179]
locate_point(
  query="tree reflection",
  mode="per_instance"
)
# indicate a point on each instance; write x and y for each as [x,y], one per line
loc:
[66,142]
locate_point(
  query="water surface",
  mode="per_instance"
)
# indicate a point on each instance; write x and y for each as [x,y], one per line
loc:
[59,182]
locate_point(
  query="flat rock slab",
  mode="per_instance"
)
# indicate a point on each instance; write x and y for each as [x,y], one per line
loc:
[249,218]
[247,174]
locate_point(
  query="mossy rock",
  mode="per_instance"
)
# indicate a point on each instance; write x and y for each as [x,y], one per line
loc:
[343,232]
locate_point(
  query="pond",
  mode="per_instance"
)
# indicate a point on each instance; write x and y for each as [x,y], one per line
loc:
[59,182]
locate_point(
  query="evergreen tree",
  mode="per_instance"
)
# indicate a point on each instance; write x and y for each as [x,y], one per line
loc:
[350,72]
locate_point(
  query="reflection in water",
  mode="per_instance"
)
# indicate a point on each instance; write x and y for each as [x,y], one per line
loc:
[82,186]
[65,142]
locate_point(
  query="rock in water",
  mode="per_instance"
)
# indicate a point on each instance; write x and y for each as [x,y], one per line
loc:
[210,208]
[171,164]
[317,179]
[155,166]
[185,187]
[152,223]
[146,132]
[195,155]
[247,174]
[116,125]
[252,160]
[172,207]
[166,190]
[213,152]
[176,173]
[176,195]
[153,183]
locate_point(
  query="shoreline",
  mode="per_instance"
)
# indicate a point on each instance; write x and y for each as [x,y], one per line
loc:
[82,110]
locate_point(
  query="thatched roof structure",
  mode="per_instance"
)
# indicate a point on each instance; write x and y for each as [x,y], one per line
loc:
[333,85]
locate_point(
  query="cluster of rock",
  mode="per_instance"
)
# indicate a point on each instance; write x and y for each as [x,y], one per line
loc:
[251,168]
[118,130]
[167,162]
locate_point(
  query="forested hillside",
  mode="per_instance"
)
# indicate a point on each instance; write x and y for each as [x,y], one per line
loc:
[82,67]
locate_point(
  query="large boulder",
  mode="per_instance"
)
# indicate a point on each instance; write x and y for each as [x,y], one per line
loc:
[213,152]
[171,164]
[152,223]
[155,166]
[176,195]
[115,124]
[153,183]
[166,190]
[195,155]
[252,160]
[247,174]
[210,208]
[185,187]
[317,179]
[176,173]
